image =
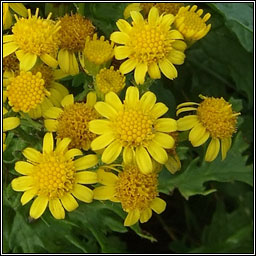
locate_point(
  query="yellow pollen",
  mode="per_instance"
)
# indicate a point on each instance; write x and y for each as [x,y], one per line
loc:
[136,190]
[54,175]
[217,117]
[74,31]
[98,51]
[36,35]
[11,63]
[133,127]
[149,43]
[47,74]
[168,8]
[73,123]
[108,80]
[26,91]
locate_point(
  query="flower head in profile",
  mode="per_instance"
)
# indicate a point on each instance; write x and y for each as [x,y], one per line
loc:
[109,80]
[33,38]
[190,24]
[149,46]
[214,119]
[135,127]
[71,120]
[19,8]
[54,178]
[73,33]
[137,193]
[97,54]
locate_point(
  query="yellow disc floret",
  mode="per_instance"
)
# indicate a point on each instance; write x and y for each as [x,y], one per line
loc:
[26,91]
[54,175]
[74,31]
[136,190]
[217,117]
[73,123]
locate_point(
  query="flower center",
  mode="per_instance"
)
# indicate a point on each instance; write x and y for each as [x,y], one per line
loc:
[47,74]
[136,190]
[217,116]
[133,127]
[74,31]
[171,8]
[36,35]
[73,123]
[11,63]
[98,51]
[149,43]
[26,91]
[109,80]
[54,175]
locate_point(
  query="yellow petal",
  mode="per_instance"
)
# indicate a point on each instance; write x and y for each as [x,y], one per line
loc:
[53,113]
[73,65]
[86,177]
[19,8]
[145,215]
[184,110]
[48,143]
[112,152]
[168,69]
[32,154]
[102,141]
[28,61]
[176,57]
[225,146]
[196,133]
[164,140]
[51,125]
[140,73]
[212,150]
[158,110]
[9,48]
[105,110]
[82,193]
[158,205]
[113,100]
[187,122]
[62,146]
[201,139]
[123,26]
[69,202]
[128,155]
[137,17]
[175,34]
[119,37]
[10,123]
[132,96]
[173,164]
[63,60]
[153,71]
[22,183]
[157,152]
[104,192]
[132,217]
[122,52]
[91,99]
[179,45]
[56,209]
[86,162]
[128,66]
[8,38]
[185,104]
[143,160]
[38,207]
[166,125]
[49,60]
[70,154]
[106,178]
[28,195]
[60,88]
[99,126]
[153,16]
[24,168]
[68,100]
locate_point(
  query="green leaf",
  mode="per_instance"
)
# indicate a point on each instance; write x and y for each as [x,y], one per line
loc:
[192,180]
[238,19]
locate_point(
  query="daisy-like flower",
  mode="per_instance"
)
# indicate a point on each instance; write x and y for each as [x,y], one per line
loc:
[33,38]
[71,120]
[97,54]
[19,8]
[149,45]
[109,80]
[190,24]
[136,191]
[54,178]
[73,33]
[134,126]
[214,119]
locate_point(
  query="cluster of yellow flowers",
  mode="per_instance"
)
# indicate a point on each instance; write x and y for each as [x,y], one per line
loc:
[131,138]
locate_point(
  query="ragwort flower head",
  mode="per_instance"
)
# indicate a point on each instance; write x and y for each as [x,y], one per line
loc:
[33,38]
[137,193]
[54,178]
[71,120]
[214,118]
[73,33]
[149,45]
[134,126]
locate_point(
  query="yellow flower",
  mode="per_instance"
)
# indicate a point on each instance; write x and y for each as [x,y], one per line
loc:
[109,80]
[10,67]
[136,191]
[7,16]
[73,33]
[72,120]
[149,45]
[171,8]
[54,178]
[131,7]
[33,38]
[96,55]
[134,126]
[27,93]
[214,118]
[190,24]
